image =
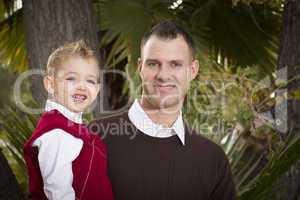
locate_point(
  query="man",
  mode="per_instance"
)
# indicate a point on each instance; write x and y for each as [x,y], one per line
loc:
[152,154]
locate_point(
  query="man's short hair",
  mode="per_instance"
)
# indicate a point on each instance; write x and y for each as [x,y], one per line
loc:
[168,30]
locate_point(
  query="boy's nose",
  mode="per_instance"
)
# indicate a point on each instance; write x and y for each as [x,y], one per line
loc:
[81,85]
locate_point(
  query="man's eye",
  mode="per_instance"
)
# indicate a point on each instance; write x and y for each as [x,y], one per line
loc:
[176,64]
[91,81]
[152,64]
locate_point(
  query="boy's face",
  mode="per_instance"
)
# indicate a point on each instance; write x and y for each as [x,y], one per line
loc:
[75,84]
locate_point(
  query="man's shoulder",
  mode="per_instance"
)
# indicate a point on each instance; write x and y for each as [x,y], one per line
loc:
[115,117]
[116,124]
[202,144]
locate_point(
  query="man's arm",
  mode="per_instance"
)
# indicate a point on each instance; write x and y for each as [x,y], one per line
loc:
[224,188]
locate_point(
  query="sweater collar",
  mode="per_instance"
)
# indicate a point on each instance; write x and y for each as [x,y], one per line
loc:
[73,116]
[142,122]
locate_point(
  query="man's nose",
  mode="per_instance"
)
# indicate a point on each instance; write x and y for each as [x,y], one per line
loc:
[163,73]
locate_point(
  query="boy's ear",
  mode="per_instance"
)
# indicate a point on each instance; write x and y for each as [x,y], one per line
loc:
[49,84]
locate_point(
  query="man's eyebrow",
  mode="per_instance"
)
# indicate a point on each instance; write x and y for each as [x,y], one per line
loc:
[151,60]
[177,60]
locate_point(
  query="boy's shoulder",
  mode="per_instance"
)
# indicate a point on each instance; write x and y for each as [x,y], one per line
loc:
[53,120]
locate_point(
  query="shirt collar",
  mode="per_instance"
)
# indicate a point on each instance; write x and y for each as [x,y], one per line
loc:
[73,116]
[142,122]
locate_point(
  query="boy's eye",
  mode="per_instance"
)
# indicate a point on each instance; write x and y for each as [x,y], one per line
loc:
[91,81]
[70,78]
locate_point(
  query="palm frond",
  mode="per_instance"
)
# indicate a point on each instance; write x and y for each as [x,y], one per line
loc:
[241,35]
[16,129]
[12,44]
[278,165]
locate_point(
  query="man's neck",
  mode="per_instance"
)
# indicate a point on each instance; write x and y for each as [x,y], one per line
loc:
[164,116]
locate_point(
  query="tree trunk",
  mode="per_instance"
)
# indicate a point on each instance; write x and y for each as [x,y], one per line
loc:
[49,24]
[287,112]
[9,188]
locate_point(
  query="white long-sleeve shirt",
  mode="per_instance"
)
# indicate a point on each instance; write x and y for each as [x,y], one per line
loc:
[57,150]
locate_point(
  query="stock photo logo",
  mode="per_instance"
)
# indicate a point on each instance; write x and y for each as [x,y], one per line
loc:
[211,101]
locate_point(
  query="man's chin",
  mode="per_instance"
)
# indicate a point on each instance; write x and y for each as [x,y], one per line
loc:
[168,103]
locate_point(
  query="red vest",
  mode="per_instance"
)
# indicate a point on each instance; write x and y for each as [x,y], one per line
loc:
[90,180]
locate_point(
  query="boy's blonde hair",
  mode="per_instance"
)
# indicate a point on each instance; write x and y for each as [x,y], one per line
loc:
[61,54]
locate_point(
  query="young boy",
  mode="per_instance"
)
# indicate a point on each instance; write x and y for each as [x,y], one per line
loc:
[64,161]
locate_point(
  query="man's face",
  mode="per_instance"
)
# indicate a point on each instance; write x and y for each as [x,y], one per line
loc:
[166,69]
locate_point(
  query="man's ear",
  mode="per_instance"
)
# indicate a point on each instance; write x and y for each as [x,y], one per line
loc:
[49,84]
[139,64]
[194,69]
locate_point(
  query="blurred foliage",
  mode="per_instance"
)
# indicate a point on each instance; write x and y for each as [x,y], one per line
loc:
[12,44]
[7,78]
[234,96]
[273,3]
[280,162]
[16,128]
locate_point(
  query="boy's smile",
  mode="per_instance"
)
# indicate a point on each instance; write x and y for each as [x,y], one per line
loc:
[79,98]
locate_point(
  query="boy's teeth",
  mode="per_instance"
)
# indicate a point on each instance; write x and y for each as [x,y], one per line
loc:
[78,97]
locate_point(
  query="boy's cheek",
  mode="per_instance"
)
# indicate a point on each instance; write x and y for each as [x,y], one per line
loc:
[94,97]
[97,89]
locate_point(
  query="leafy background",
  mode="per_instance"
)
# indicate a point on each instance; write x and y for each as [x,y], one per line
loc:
[231,102]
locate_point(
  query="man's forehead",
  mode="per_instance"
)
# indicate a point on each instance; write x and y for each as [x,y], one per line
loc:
[165,41]
[156,45]
[165,51]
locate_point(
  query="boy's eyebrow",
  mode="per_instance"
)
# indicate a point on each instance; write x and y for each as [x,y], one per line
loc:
[70,73]
[93,76]
[75,73]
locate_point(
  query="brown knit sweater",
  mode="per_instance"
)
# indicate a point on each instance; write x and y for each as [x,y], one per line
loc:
[142,167]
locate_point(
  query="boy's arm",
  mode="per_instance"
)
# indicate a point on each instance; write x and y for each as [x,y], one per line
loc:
[57,150]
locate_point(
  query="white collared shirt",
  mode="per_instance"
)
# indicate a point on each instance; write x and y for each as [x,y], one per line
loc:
[143,123]
[57,150]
